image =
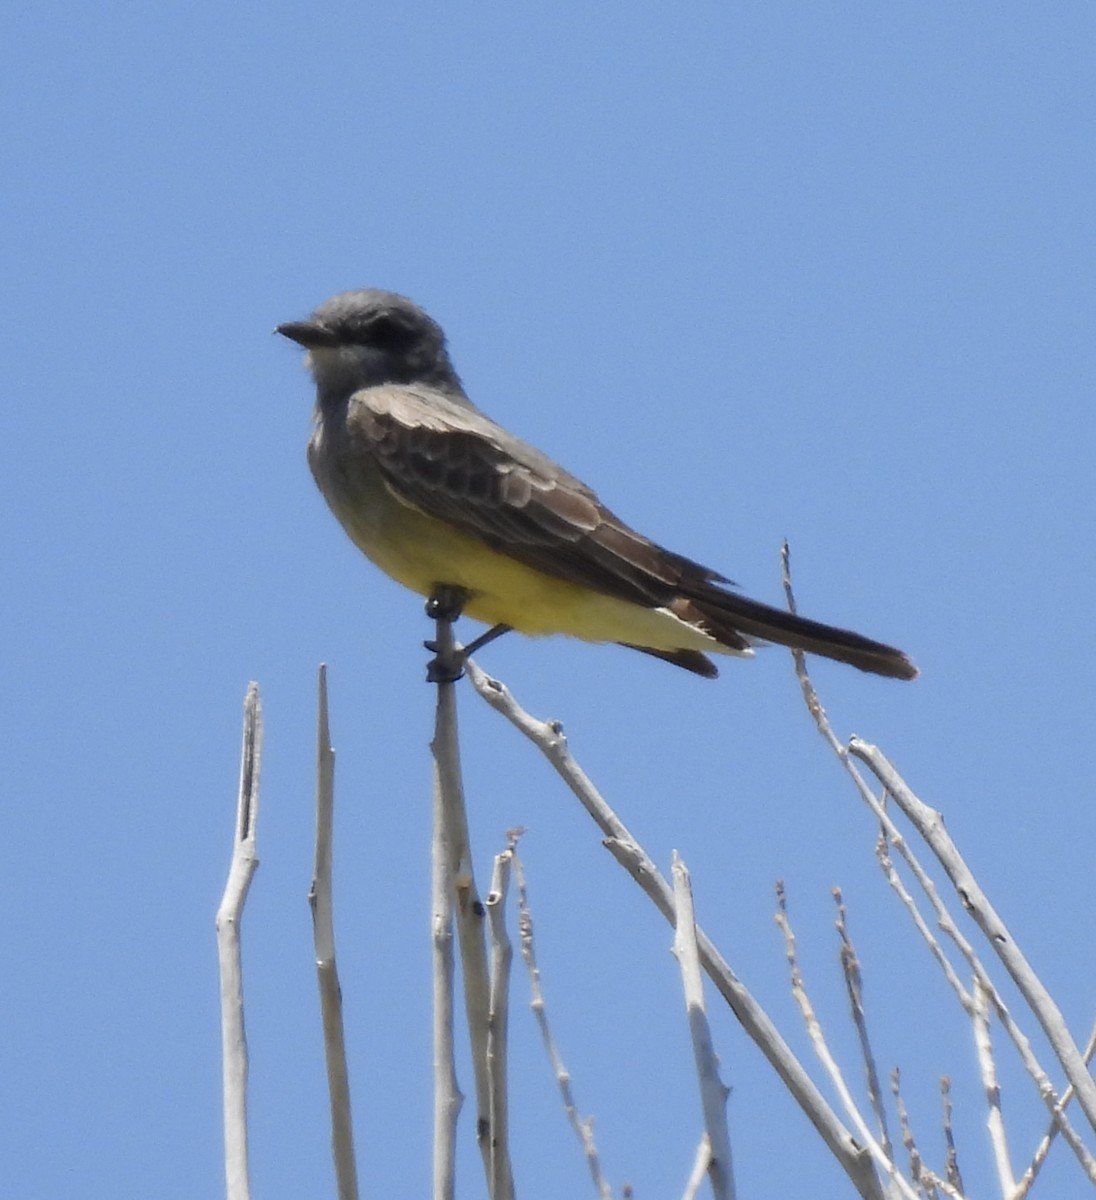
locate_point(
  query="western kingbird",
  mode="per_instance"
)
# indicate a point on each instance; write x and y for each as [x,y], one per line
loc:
[442,498]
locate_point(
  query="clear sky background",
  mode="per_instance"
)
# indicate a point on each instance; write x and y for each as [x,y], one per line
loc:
[817,271]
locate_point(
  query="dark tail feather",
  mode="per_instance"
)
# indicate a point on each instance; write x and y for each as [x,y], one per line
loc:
[691,660]
[727,615]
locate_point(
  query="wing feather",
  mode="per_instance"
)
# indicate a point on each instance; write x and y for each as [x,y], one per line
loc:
[436,451]
[451,461]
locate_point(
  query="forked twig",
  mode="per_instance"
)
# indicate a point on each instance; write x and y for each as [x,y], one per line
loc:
[713,1092]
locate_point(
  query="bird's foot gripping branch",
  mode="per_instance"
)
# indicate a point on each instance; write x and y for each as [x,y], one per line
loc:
[445,605]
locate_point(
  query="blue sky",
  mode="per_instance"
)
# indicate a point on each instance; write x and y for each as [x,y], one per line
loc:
[822,272]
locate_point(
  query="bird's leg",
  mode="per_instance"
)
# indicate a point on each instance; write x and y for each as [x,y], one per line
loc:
[448,668]
[484,639]
[444,606]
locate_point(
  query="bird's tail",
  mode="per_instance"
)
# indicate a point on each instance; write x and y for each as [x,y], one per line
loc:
[727,616]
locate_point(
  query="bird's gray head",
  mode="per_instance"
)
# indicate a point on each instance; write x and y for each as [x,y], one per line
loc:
[365,338]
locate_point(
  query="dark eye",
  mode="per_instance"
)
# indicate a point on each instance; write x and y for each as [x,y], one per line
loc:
[389,333]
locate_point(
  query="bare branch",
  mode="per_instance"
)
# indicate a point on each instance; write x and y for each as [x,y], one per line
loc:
[583,1128]
[1020,1040]
[917,1172]
[884,1161]
[955,1178]
[245,860]
[700,1170]
[944,919]
[447,1094]
[923,928]
[327,973]
[548,737]
[1056,1126]
[713,1092]
[850,968]
[930,826]
[988,1068]
[501,1181]
[469,908]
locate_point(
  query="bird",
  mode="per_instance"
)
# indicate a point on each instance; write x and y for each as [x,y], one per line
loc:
[451,505]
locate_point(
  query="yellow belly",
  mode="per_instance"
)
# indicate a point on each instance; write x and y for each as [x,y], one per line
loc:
[420,552]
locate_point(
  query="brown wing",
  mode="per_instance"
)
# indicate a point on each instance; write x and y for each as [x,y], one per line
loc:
[447,458]
[456,464]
